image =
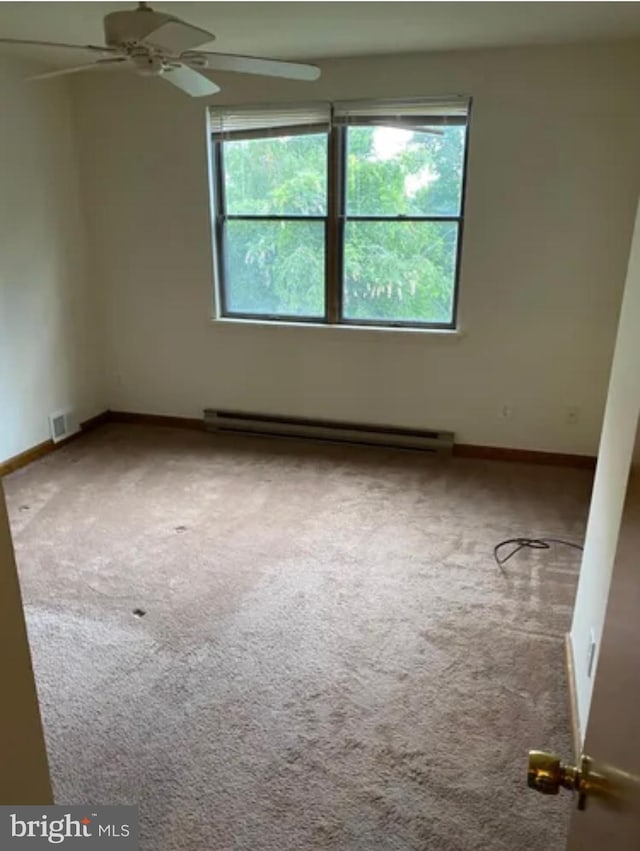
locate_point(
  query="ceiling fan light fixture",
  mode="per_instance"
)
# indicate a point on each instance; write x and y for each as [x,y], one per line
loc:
[147,64]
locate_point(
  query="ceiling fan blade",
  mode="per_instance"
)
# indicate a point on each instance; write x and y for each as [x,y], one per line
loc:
[175,37]
[252,65]
[28,42]
[61,72]
[190,81]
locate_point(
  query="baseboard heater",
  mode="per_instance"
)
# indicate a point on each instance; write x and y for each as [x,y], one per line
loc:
[437,442]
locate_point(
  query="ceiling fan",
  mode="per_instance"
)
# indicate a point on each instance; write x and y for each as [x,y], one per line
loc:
[154,44]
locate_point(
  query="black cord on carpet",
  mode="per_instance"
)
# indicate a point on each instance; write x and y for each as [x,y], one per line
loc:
[530,543]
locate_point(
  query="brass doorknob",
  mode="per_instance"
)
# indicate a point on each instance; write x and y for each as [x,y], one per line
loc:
[614,788]
[547,773]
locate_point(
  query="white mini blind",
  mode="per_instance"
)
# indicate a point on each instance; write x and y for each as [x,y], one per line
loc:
[403,113]
[229,123]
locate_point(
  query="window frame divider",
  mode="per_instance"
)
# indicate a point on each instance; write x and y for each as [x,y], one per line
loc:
[335,190]
[220,205]
[267,217]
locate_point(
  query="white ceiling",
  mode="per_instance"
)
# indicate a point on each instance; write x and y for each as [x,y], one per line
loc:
[309,30]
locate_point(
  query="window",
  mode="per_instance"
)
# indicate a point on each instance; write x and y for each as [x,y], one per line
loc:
[345,214]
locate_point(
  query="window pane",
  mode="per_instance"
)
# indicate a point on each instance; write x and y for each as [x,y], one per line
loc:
[400,271]
[275,268]
[393,172]
[282,175]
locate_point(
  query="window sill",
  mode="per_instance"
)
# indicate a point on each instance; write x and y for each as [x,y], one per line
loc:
[340,333]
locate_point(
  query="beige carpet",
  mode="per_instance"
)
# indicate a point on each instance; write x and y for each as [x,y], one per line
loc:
[329,658]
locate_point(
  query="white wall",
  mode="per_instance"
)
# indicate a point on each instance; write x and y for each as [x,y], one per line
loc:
[614,461]
[553,178]
[49,356]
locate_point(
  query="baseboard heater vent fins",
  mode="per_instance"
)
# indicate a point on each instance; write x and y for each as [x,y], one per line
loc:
[437,442]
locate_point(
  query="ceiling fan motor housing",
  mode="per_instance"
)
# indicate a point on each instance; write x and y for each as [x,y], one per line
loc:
[147,65]
[130,27]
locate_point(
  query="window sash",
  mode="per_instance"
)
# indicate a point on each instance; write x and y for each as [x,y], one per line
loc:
[336,218]
[356,229]
[226,311]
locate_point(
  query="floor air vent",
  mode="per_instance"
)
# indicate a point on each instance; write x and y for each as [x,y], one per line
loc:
[439,442]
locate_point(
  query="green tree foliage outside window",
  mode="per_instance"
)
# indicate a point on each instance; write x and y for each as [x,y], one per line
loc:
[396,267]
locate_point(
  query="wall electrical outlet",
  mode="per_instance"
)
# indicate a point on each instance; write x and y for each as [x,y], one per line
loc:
[506,412]
[592,653]
[573,415]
